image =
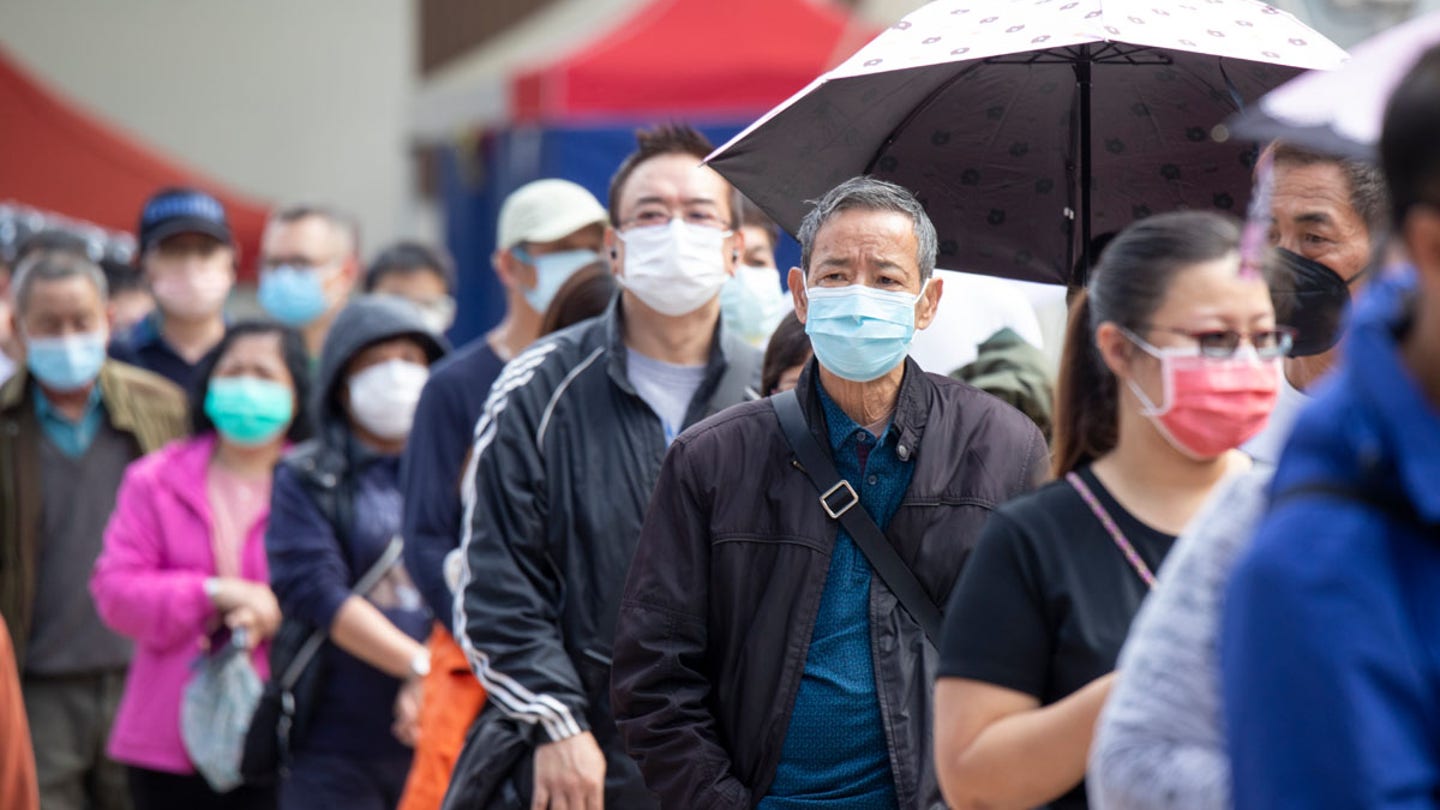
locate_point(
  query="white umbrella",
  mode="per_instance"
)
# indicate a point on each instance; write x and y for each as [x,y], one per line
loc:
[1025,125]
[1341,112]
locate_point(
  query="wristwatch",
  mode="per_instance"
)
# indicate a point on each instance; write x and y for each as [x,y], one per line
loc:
[420,664]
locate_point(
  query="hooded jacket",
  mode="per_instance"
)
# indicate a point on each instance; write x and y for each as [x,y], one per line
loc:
[319,501]
[565,456]
[726,584]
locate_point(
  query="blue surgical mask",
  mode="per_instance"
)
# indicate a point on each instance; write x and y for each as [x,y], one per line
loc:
[293,296]
[551,272]
[66,363]
[752,303]
[859,333]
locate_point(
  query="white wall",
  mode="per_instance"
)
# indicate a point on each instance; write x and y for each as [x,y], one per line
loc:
[287,100]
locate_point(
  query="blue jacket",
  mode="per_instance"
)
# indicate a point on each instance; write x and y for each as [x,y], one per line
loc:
[1330,646]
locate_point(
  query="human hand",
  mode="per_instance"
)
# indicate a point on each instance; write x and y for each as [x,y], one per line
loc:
[569,775]
[407,712]
[251,604]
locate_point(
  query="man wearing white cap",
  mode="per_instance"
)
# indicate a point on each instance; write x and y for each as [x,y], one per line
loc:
[548,229]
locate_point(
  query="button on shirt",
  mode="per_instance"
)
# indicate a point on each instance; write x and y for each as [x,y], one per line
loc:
[835,753]
[71,438]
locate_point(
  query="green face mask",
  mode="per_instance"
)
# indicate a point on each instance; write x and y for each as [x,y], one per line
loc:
[248,410]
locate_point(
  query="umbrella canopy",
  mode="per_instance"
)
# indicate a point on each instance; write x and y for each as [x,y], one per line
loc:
[1025,127]
[1341,112]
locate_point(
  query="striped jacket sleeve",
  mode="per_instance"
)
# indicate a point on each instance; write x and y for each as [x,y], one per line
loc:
[507,608]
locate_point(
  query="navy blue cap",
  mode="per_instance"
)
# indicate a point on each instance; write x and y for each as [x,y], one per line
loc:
[182,210]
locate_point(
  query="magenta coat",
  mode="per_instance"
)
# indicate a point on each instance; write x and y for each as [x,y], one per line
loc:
[149,585]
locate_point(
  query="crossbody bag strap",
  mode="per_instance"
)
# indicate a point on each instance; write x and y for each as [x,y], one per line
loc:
[308,650]
[840,501]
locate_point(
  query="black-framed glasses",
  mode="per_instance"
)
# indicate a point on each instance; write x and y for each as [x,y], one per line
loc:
[1224,343]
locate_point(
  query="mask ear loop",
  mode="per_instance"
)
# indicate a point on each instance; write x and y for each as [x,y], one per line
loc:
[1167,378]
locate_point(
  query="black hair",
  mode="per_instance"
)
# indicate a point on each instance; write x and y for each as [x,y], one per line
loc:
[297,362]
[752,216]
[410,257]
[1408,140]
[1127,286]
[789,347]
[122,277]
[1367,194]
[669,139]
[583,296]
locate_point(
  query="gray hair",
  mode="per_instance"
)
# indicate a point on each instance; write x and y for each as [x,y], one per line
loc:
[342,223]
[1368,193]
[869,194]
[54,265]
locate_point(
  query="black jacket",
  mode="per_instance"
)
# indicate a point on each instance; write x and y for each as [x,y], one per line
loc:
[723,592]
[565,456]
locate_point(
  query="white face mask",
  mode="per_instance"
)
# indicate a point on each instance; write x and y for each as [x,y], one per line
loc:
[383,397]
[675,268]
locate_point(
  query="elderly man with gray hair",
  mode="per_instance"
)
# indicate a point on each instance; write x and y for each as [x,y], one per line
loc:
[775,644]
[70,422]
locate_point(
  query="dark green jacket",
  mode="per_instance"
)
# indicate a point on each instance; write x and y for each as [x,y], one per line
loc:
[1010,368]
[145,406]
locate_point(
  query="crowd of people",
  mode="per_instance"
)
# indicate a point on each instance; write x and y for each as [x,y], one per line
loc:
[613,554]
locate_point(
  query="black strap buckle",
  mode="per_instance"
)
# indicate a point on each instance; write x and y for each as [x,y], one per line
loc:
[841,489]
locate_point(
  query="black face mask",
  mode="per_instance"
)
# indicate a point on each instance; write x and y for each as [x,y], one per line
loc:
[1310,298]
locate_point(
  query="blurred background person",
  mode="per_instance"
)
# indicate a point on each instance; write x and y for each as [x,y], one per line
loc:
[419,273]
[1328,631]
[187,258]
[70,423]
[309,263]
[18,790]
[785,356]
[452,696]
[752,302]
[548,230]
[130,301]
[184,558]
[1172,361]
[335,508]
[1009,367]
[583,296]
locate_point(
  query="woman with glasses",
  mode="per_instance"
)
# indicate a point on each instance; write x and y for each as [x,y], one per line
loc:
[1172,361]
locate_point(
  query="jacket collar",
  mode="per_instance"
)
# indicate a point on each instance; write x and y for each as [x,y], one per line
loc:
[1407,425]
[14,395]
[191,460]
[617,363]
[912,407]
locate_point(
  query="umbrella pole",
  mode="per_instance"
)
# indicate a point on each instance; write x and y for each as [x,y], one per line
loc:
[1082,76]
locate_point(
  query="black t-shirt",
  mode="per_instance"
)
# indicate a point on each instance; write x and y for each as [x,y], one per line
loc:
[1047,598]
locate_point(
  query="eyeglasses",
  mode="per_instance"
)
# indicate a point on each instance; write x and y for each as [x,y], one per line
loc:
[1224,343]
[648,217]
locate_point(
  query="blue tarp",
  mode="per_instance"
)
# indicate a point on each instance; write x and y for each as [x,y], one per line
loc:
[476,178]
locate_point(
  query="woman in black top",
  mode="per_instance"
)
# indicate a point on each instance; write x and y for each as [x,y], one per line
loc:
[1171,361]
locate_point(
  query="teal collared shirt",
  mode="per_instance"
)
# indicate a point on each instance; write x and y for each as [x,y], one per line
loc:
[72,438]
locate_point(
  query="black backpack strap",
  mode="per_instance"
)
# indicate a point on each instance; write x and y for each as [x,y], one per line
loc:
[840,501]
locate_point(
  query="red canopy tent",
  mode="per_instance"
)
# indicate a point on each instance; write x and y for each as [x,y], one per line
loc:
[691,58]
[56,157]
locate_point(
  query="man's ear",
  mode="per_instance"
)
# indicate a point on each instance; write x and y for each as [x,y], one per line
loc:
[503,261]
[795,280]
[929,303]
[736,250]
[614,251]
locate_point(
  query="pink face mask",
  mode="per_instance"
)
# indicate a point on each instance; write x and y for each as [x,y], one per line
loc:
[1210,404]
[192,295]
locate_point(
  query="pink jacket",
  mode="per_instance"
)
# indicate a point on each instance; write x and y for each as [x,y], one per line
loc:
[149,585]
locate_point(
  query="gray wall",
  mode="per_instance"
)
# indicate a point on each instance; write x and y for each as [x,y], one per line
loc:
[284,99]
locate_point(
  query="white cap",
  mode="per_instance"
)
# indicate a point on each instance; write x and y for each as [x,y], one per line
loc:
[547,210]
